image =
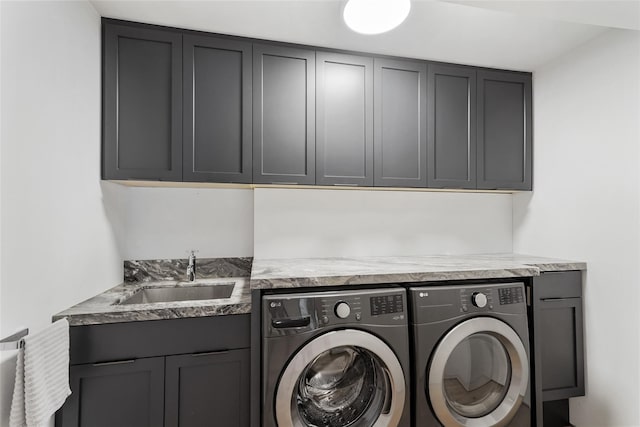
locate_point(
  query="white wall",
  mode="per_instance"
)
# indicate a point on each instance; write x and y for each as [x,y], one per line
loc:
[169,222]
[326,223]
[585,206]
[58,247]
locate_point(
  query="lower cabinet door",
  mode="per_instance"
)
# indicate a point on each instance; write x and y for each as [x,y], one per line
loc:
[123,394]
[207,389]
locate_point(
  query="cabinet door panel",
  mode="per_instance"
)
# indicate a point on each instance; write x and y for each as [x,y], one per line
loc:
[123,394]
[284,115]
[142,98]
[208,389]
[504,130]
[400,144]
[344,120]
[558,340]
[560,322]
[217,110]
[452,127]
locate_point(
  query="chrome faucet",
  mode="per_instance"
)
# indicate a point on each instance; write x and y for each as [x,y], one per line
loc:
[191,269]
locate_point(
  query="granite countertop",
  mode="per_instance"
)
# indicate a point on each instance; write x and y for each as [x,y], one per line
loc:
[250,274]
[293,273]
[104,308]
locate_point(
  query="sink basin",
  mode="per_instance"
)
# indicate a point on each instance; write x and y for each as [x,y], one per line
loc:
[181,293]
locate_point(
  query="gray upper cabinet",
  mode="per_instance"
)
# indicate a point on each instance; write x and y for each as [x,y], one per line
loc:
[181,105]
[344,119]
[504,130]
[400,140]
[142,103]
[217,110]
[451,127]
[283,115]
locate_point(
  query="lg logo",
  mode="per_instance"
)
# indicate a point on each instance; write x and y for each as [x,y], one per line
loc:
[275,304]
[423,294]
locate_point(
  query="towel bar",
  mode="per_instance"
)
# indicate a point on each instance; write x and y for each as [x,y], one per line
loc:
[14,341]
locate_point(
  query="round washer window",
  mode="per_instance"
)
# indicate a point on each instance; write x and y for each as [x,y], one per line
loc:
[342,378]
[341,387]
[477,376]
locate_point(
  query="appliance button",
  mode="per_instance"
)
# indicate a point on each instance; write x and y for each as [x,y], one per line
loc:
[342,310]
[358,316]
[325,319]
[479,299]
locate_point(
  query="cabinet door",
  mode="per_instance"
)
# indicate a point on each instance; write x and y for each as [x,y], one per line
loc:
[217,110]
[283,115]
[208,389]
[558,335]
[123,394]
[400,139]
[451,127]
[142,104]
[344,119]
[504,130]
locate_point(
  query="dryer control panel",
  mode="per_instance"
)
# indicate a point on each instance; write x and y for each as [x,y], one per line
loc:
[437,302]
[288,314]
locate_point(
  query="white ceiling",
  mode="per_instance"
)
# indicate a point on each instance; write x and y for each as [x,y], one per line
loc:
[514,34]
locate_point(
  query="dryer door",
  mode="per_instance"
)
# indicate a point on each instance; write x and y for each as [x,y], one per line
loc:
[478,375]
[342,378]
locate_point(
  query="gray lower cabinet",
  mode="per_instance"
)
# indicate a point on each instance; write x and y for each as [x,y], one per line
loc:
[179,372]
[504,130]
[217,110]
[451,126]
[283,115]
[344,119]
[558,344]
[203,388]
[400,118]
[126,393]
[142,103]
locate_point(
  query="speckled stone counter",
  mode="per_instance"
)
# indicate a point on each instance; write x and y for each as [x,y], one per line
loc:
[105,307]
[290,273]
[293,273]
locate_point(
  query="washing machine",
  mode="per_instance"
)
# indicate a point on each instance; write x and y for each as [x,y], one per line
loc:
[471,355]
[336,359]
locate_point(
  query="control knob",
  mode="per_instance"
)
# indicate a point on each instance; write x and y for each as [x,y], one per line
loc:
[479,299]
[342,310]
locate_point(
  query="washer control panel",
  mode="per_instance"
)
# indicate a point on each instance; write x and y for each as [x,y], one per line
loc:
[288,314]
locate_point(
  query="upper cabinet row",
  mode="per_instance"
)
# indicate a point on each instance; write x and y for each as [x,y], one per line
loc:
[181,106]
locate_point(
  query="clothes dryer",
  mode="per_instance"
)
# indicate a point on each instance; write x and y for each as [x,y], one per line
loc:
[471,355]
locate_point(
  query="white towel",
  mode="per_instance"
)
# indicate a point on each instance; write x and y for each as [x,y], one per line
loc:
[42,376]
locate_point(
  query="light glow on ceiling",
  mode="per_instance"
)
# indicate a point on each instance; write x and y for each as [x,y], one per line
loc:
[375,16]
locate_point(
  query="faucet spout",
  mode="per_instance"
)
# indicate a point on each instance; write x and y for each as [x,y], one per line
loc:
[191,269]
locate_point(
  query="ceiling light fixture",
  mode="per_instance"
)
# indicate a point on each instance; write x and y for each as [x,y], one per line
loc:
[375,16]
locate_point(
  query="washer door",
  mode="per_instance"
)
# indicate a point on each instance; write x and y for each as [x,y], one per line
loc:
[342,378]
[478,374]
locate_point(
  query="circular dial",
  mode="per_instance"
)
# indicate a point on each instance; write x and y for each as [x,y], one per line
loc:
[479,299]
[342,310]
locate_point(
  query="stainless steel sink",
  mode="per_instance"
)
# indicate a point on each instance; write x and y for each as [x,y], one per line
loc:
[152,295]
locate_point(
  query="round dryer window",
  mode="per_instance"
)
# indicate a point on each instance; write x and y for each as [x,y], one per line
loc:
[478,374]
[342,378]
